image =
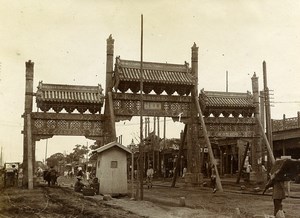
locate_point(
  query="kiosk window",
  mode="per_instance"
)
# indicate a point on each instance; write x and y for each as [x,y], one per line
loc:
[114,164]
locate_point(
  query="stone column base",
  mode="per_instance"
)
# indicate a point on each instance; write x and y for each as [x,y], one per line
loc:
[193,179]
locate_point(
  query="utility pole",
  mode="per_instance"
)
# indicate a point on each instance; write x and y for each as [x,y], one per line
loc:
[226,81]
[268,111]
[141,147]
[262,118]
[46,151]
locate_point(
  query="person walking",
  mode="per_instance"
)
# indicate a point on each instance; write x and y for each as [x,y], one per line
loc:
[184,172]
[149,176]
[248,171]
[213,179]
[278,192]
[278,195]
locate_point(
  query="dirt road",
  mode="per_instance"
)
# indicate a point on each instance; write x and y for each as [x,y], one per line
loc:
[160,201]
[54,202]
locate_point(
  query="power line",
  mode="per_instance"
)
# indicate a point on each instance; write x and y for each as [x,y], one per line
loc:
[286,102]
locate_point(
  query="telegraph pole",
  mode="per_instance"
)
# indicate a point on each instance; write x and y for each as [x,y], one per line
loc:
[141,147]
[46,151]
[268,111]
[226,81]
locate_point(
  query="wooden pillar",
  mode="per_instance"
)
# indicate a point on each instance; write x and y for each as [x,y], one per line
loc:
[109,112]
[146,127]
[193,176]
[33,142]
[256,149]
[30,153]
[27,111]
[180,152]
[109,63]
[226,161]
[221,162]
[112,117]
[283,149]
[194,130]
[158,147]
[154,145]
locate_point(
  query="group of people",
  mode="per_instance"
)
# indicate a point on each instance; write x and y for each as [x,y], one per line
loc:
[10,176]
[50,176]
[93,181]
[94,184]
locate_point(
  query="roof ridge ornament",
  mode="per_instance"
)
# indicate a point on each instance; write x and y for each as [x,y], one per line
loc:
[186,64]
[110,39]
[100,89]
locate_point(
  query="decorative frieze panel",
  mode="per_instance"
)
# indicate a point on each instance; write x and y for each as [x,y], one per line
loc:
[230,127]
[127,105]
[49,124]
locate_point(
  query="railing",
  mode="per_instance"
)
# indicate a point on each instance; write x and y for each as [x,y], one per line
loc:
[286,123]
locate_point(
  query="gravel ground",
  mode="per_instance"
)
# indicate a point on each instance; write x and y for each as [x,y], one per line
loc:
[54,202]
[160,201]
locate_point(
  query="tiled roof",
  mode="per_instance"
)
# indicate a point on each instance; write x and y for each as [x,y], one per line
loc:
[129,71]
[111,145]
[69,93]
[226,99]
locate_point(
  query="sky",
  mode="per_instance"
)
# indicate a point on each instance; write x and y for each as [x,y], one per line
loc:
[67,42]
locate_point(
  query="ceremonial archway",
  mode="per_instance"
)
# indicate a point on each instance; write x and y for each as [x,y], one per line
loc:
[169,90]
[82,116]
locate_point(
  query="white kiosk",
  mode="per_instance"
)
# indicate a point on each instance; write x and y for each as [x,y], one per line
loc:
[111,168]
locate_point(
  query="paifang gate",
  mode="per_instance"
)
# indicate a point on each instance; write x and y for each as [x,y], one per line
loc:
[169,90]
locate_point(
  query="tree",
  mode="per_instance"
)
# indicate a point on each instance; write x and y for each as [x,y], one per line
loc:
[54,159]
[78,153]
[93,155]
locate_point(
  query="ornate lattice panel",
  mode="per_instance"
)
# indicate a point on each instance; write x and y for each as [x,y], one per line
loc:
[49,124]
[126,104]
[229,127]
